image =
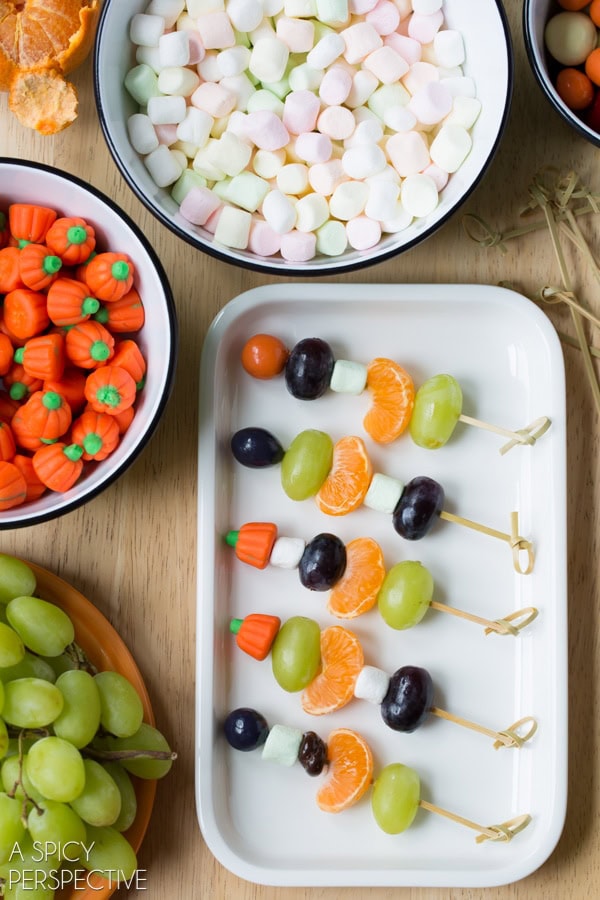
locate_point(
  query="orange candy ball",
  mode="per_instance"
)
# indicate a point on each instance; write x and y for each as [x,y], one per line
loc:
[594,12]
[575,88]
[264,356]
[573,5]
[592,66]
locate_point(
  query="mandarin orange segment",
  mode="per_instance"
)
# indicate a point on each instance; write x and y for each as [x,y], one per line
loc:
[356,591]
[342,659]
[349,478]
[350,771]
[393,394]
[43,100]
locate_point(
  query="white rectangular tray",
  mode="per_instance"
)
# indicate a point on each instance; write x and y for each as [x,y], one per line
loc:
[261,820]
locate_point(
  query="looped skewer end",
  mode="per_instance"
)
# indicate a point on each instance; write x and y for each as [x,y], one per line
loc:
[506,831]
[523,618]
[517,544]
[528,435]
[478,230]
[512,737]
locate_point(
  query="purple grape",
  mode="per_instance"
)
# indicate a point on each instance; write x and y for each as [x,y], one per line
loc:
[408,700]
[417,509]
[245,729]
[322,563]
[308,369]
[256,448]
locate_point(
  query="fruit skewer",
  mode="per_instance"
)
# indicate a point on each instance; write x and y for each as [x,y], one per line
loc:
[348,759]
[355,574]
[340,477]
[328,667]
[430,414]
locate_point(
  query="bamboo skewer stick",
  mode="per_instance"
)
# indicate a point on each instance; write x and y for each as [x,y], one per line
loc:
[510,737]
[504,832]
[502,626]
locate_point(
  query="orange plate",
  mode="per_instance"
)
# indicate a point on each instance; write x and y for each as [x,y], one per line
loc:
[105,650]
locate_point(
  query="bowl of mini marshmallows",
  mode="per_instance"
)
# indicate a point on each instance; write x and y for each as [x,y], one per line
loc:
[304,137]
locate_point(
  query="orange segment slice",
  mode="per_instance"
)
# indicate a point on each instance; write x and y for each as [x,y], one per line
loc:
[393,394]
[351,771]
[356,591]
[349,478]
[341,660]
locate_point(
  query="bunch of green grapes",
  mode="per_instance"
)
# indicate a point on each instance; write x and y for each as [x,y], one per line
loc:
[69,739]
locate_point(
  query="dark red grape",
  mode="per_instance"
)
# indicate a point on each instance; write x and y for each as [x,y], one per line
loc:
[312,754]
[417,509]
[256,448]
[323,562]
[308,369]
[245,729]
[408,700]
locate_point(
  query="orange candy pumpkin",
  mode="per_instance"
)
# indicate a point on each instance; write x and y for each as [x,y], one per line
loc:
[89,345]
[72,239]
[69,302]
[110,389]
[97,433]
[109,276]
[13,488]
[46,415]
[58,466]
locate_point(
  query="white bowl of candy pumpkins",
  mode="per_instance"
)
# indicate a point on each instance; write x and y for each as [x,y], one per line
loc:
[88,339]
[303,137]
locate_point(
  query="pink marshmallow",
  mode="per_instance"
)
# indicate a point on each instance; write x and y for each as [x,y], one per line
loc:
[325,177]
[298,246]
[425,28]
[335,86]
[419,74]
[385,18]
[408,152]
[409,49]
[263,240]
[431,103]
[266,130]
[213,220]
[300,111]
[360,40]
[198,205]
[337,122]
[214,99]
[197,49]
[313,147]
[166,134]
[440,177]
[362,232]
[297,34]
[387,65]
[215,31]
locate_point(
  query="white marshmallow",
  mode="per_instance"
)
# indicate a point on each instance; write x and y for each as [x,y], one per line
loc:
[326,51]
[174,48]
[419,195]
[431,103]
[304,78]
[170,10]
[326,177]
[141,134]
[204,163]
[150,56]
[287,552]
[208,68]
[383,196]
[331,240]
[279,211]
[363,161]
[234,60]
[348,200]
[371,684]
[449,48]
[400,220]
[332,12]
[233,228]
[198,8]
[312,147]
[245,15]
[241,87]
[177,81]
[399,118]
[348,377]
[234,154]
[163,166]
[166,110]
[300,9]
[450,147]
[312,211]
[195,127]
[337,122]
[363,85]
[146,29]
[282,745]
[267,163]
[384,493]
[272,8]
[439,176]
[460,86]
[465,111]
[367,131]
[269,59]
[426,7]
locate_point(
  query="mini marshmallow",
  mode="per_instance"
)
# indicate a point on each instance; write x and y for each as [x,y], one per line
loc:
[248,191]
[170,10]
[383,196]
[405,8]
[425,28]
[300,111]
[348,200]
[198,8]
[367,131]
[419,195]
[245,15]
[264,99]
[195,127]
[384,493]
[313,147]
[406,47]
[163,166]
[220,189]
[297,34]
[363,85]
[219,126]
[233,228]
[216,31]
[431,103]
[371,684]
[363,233]
[166,110]
[269,59]
[348,377]
[241,87]
[384,18]
[293,179]
[197,50]
[426,7]
[399,118]
[449,48]
[267,163]
[264,30]
[420,74]
[236,124]
[326,51]
[335,86]
[279,212]
[146,30]
[332,12]
[287,552]
[177,81]
[150,56]
[439,176]
[408,152]
[188,150]
[272,8]
[361,7]
[460,86]
[208,68]
[166,134]
[234,154]
[213,99]
[331,241]
[142,83]
[450,147]
[233,61]
[360,40]
[386,96]
[304,78]
[297,246]
[174,49]
[213,221]
[282,745]
[387,65]
[465,111]
[204,164]
[198,205]
[325,177]
[185,22]
[141,134]
[300,9]
[184,184]
[337,122]
[312,211]
[398,222]
[264,242]
[363,161]
[266,130]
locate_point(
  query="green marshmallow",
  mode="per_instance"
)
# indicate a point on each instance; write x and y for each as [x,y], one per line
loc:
[142,83]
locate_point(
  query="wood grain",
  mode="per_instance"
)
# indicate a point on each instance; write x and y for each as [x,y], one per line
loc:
[132,550]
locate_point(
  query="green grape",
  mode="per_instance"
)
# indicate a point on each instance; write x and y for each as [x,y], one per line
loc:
[55,768]
[43,627]
[20,745]
[31,703]
[29,891]
[57,825]
[110,854]
[146,738]
[100,801]
[28,868]
[31,666]
[296,653]
[15,779]
[60,664]
[4,739]
[2,695]
[405,594]
[306,464]
[16,578]
[12,650]
[80,717]
[395,798]
[128,799]
[12,829]
[121,710]
[438,404]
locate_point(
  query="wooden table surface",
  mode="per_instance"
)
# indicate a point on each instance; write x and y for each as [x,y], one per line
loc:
[132,550]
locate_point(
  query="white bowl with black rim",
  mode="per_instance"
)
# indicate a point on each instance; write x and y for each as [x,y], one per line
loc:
[489,61]
[22,181]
